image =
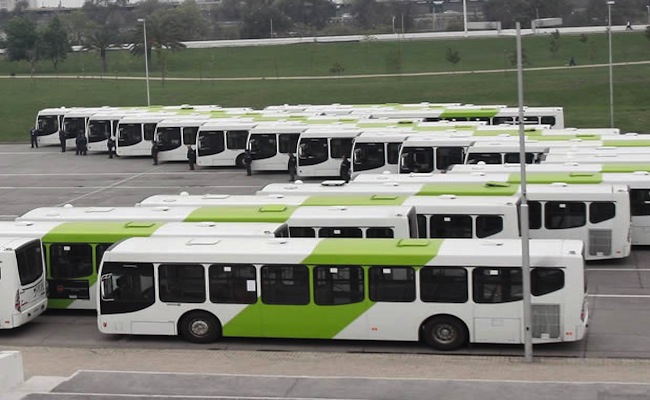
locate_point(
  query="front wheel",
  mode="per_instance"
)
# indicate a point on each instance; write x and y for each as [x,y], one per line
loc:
[445,333]
[200,327]
[239,161]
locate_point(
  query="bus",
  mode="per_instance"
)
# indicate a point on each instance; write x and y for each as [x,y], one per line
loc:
[135,133]
[75,122]
[502,153]
[103,125]
[377,151]
[22,281]
[221,143]
[270,145]
[174,135]
[599,158]
[446,216]
[321,150]
[48,124]
[597,214]
[445,292]
[73,250]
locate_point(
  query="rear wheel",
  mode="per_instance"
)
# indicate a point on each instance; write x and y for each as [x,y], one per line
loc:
[445,333]
[200,327]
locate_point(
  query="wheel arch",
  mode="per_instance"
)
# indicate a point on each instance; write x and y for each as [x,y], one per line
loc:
[444,315]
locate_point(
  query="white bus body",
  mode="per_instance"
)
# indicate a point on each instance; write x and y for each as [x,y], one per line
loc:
[321,150]
[22,281]
[135,133]
[597,214]
[377,151]
[600,158]
[221,143]
[174,135]
[48,124]
[374,290]
[75,122]
[502,153]
[270,145]
[103,125]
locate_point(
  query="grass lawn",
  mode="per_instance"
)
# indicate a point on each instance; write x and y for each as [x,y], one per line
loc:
[583,92]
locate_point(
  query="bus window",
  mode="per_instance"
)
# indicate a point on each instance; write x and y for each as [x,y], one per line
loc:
[393,152]
[98,131]
[236,140]
[301,231]
[640,202]
[232,284]
[30,262]
[380,233]
[534,215]
[210,142]
[548,120]
[564,215]
[487,158]
[312,151]
[340,147]
[129,134]
[169,138]
[263,146]
[126,287]
[288,142]
[488,225]
[513,158]
[546,280]
[47,125]
[70,260]
[181,283]
[443,285]
[600,211]
[422,226]
[285,284]
[189,134]
[391,284]
[368,156]
[417,159]
[446,156]
[338,285]
[333,232]
[503,120]
[451,226]
[496,285]
[149,131]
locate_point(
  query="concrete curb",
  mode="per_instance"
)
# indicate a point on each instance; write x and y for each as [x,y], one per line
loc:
[11,370]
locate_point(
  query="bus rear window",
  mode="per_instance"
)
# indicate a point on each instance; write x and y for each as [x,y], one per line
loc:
[30,262]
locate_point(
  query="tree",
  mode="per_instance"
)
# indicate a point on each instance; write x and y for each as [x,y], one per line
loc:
[261,19]
[102,38]
[524,11]
[23,41]
[77,24]
[312,13]
[55,42]
[191,22]
[452,56]
[369,13]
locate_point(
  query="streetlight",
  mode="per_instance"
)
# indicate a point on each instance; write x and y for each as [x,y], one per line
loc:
[146,58]
[465,17]
[610,3]
[648,8]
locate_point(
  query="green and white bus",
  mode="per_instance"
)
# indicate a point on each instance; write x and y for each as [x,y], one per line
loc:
[445,292]
[73,251]
[22,281]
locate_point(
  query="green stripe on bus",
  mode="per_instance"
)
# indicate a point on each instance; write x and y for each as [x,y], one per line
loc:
[414,252]
[268,213]
[622,168]
[356,200]
[99,232]
[550,177]
[563,138]
[468,189]
[626,143]
[481,112]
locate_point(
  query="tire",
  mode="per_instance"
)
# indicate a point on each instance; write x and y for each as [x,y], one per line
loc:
[445,333]
[239,161]
[199,327]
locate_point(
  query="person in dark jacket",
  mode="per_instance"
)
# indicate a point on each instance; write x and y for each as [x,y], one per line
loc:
[248,160]
[84,144]
[110,144]
[78,146]
[62,140]
[191,157]
[344,171]
[33,135]
[291,166]
[154,152]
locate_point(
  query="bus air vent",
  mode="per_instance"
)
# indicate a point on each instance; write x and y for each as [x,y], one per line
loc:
[546,321]
[139,224]
[202,242]
[413,242]
[384,197]
[600,242]
[273,208]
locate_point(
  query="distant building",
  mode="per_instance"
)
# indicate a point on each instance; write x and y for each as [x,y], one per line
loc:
[8,5]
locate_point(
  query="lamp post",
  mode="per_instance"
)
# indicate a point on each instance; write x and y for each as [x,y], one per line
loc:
[465,17]
[146,58]
[610,3]
[648,8]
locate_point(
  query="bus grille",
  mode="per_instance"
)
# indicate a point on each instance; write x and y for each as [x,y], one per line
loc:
[546,321]
[600,242]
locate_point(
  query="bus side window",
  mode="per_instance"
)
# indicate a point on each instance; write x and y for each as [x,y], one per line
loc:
[232,284]
[70,260]
[391,284]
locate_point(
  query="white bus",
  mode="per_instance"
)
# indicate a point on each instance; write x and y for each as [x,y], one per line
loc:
[48,124]
[597,214]
[619,157]
[468,217]
[377,151]
[270,145]
[221,142]
[135,133]
[502,153]
[22,281]
[444,292]
[174,135]
[103,125]
[73,250]
[321,150]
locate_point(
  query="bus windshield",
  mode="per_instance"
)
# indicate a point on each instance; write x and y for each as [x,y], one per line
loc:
[129,134]
[74,126]
[99,131]
[368,156]
[169,138]
[47,124]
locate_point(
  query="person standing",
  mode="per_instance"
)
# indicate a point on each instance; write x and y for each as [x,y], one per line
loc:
[62,140]
[628,26]
[33,135]
[344,171]
[110,144]
[191,157]
[154,152]
[84,144]
[78,145]
[291,166]
[248,160]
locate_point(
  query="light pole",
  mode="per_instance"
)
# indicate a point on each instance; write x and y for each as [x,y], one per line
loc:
[610,3]
[146,58]
[465,17]
[648,8]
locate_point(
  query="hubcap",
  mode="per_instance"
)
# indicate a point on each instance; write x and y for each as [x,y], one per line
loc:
[445,334]
[199,328]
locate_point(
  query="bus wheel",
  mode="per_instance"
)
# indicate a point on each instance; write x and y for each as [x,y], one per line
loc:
[200,327]
[239,161]
[445,333]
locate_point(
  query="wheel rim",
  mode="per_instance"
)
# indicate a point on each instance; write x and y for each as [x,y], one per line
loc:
[199,328]
[444,333]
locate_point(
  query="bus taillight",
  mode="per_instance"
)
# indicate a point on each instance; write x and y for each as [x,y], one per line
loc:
[17,305]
